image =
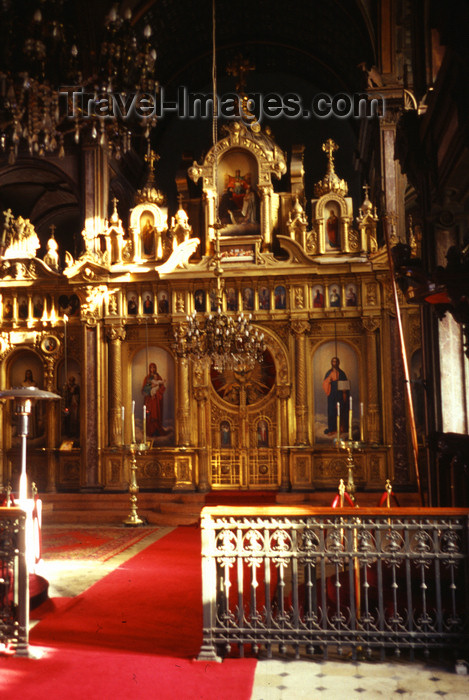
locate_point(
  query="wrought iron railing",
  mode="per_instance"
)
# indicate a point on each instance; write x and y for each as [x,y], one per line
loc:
[14,582]
[361,580]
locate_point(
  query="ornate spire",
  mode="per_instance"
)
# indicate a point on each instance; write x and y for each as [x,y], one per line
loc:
[149,193]
[331,182]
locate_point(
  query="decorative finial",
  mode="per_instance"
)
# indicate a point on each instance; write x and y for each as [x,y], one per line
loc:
[238,68]
[329,147]
[115,213]
[331,182]
[152,158]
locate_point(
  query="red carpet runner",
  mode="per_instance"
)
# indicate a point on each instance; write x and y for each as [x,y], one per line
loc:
[151,604]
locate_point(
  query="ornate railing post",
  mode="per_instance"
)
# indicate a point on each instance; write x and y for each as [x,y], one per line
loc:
[208,650]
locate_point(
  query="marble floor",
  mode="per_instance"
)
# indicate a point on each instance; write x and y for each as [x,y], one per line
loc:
[287,678]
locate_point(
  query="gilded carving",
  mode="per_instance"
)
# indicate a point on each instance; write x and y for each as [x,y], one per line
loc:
[114,333]
[371,294]
[180,302]
[299,298]
[312,242]
[298,327]
[369,324]
[353,240]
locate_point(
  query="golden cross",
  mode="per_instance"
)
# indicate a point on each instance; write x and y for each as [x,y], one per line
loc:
[52,230]
[180,198]
[366,188]
[238,68]
[151,158]
[329,147]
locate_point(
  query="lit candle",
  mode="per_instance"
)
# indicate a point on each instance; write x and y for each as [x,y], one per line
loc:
[350,420]
[338,424]
[133,423]
[361,423]
[144,424]
[122,422]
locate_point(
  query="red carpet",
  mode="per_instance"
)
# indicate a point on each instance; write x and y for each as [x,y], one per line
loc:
[78,674]
[152,605]
[95,543]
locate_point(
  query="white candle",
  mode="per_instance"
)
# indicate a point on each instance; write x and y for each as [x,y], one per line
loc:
[144,423]
[361,423]
[338,424]
[133,423]
[122,422]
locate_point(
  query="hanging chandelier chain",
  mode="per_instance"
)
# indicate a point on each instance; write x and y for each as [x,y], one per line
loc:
[229,342]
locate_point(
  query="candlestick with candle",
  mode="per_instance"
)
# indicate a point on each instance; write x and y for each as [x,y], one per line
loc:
[144,424]
[362,438]
[122,422]
[350,420]
[133,423]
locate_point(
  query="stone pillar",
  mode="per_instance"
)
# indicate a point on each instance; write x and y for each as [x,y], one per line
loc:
[299,329]
[183,411]
[115,336]
[393,180]
[372,427]
[201,396]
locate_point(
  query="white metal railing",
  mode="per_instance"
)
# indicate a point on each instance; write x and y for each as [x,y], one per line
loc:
[353,579]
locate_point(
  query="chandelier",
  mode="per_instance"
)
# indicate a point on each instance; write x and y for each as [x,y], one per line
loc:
[230,342]
[43,74]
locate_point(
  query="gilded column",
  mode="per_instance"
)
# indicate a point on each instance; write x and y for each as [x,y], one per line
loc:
[91,480]
[183,411]
[372,427]
[115,336]
[201,396]
[266,193]
[299,329]
[283,394]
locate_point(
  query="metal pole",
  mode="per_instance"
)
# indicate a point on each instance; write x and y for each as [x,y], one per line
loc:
[410,405]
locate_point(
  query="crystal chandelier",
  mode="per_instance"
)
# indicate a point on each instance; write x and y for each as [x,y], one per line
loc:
[35,114]
[230,342]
